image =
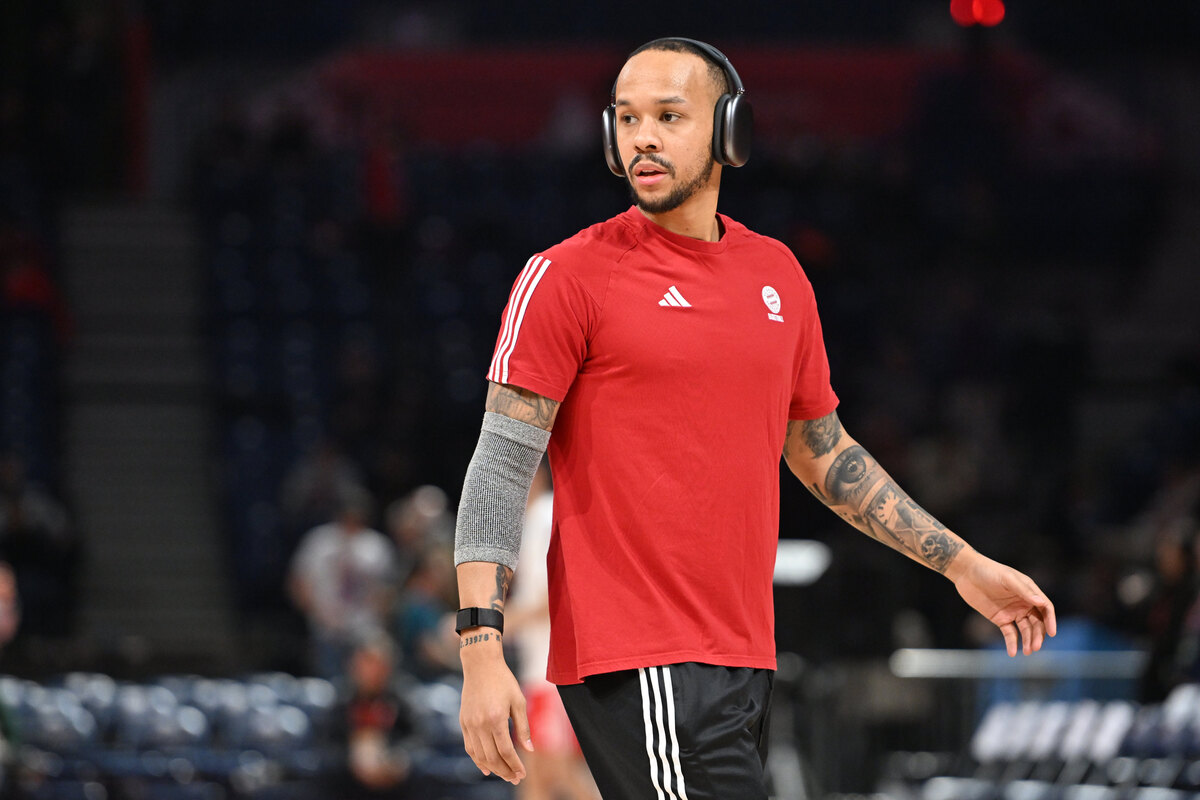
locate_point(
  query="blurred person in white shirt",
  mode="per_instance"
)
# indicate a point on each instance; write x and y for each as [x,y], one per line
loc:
[556,768]
[340,578]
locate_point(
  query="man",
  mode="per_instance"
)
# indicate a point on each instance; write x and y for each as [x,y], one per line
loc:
[675,355]
[340,578]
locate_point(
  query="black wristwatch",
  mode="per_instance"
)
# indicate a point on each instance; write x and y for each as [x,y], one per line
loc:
[478,617]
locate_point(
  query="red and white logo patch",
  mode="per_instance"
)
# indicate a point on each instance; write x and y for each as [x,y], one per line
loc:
[771,298]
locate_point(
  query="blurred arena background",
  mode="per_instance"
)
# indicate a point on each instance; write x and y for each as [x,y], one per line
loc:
[253,257]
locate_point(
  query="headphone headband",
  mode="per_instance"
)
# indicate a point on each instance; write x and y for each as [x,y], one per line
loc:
[710,53]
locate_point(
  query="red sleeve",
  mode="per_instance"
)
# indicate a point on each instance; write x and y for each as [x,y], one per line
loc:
[544,330]
[813,396]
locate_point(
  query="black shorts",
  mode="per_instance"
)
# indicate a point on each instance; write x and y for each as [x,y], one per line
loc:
[680,732]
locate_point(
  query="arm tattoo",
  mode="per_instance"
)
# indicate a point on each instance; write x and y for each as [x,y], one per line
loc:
[522,404]
[911,528]
[812,437]
[863,494]
[822,435]
[476,638]
[503,581]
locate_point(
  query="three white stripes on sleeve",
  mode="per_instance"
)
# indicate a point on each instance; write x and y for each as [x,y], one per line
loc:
[514,315]
[664,756]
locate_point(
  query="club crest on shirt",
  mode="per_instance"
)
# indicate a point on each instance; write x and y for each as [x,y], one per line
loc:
[771,298]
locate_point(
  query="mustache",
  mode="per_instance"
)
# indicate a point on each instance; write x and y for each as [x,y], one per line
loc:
[653,158]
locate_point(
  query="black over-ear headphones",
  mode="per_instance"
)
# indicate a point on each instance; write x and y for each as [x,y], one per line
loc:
[733,117]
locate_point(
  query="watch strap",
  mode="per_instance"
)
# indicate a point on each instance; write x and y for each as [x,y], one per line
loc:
[477,618]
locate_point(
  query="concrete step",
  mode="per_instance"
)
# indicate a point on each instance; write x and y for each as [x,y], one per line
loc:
[133,416]
[149,323]
[148,303]
[137,460]
[157,278]
[98,375]
[171,232]
[180,580]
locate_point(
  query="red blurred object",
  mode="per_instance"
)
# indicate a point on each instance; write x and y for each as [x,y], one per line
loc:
[977,12]
[963,12]
[988,12]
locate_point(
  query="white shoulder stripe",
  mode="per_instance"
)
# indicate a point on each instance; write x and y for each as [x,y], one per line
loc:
[513,315]
[509,316]
[520,318]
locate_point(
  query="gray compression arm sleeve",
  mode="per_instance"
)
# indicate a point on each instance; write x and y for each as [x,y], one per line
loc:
[491,513]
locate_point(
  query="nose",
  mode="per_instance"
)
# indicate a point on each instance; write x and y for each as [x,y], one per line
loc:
[646,138]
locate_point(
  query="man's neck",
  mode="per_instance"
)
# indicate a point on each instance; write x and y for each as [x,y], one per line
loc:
[696,218]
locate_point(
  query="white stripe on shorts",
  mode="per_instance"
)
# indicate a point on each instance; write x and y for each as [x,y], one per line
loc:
[662,763]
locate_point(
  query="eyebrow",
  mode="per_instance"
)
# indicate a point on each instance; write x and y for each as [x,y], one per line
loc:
[666,101]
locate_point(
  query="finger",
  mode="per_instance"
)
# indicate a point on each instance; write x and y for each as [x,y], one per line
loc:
[521,726]
[1048,619]
[471,745]
[492,761]
[1039,633]
[481,756]
[1010,638]
[508,765]
[1026,635]
[1035,597]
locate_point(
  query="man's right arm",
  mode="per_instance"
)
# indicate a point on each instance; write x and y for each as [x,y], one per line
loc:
[491,694]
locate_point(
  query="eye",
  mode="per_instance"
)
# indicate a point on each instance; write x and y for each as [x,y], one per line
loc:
[627,119]
[670,116]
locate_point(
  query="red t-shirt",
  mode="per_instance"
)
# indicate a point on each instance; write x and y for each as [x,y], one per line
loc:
[678,363]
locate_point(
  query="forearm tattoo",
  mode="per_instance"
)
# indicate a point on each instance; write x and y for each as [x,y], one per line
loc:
[503,581]
[522,404]
[862,493]
[476,638]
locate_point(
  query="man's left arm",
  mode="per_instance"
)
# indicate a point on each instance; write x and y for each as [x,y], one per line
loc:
[847,479]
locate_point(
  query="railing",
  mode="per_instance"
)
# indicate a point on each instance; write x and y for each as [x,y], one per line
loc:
[848,717]
[995,665]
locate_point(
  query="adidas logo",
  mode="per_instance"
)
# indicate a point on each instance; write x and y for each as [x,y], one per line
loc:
[674,298]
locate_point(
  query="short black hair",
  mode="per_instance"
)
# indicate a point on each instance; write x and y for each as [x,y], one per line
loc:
[715,70]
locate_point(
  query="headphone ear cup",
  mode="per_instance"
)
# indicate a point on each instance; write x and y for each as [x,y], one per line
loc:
[720,124]
[609,134]
[737,130]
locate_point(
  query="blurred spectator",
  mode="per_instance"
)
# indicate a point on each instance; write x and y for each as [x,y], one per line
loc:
[10,605]
[555,769]
[1154,477]
[37,541]
[425,616]
[1171,616]
[25,281]
[339,579]
[315,486]
[419,520]
[378,722]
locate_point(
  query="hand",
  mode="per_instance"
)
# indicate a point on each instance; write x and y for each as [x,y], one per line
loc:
[491,697]
[1008,598]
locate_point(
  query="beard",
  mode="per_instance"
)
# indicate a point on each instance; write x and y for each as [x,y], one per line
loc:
[677,196]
